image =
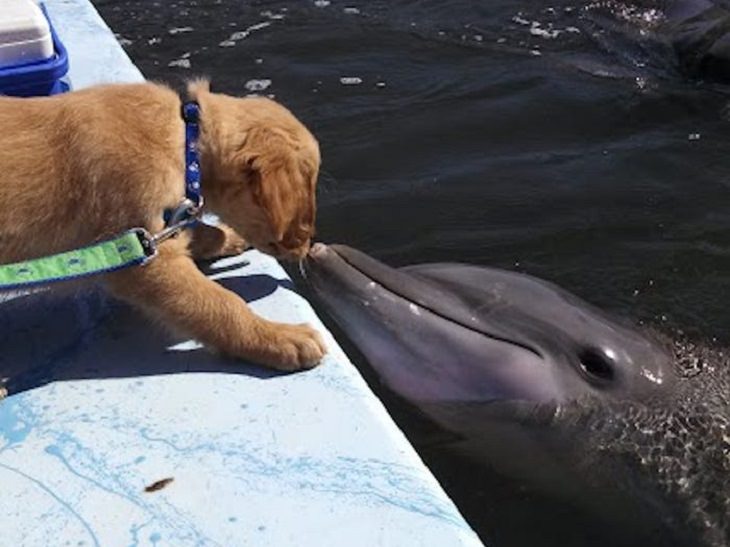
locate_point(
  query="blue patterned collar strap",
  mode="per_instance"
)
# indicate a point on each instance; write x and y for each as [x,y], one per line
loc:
[191,115]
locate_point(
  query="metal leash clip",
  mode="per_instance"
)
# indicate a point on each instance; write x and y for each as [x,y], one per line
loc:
[184,215]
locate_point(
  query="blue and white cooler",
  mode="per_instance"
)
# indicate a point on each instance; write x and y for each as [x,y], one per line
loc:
[33,61]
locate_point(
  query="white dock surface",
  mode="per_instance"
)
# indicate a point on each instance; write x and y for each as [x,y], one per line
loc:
[102,405]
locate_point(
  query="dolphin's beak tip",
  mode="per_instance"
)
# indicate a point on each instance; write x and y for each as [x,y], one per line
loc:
[316,250]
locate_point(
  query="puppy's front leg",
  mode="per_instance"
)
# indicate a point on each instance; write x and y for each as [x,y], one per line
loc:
[173,289]
[209,242]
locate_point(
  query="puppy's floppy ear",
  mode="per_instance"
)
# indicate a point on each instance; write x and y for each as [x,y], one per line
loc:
[283,180]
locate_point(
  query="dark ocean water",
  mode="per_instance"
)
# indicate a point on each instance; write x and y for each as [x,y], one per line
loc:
[559,140]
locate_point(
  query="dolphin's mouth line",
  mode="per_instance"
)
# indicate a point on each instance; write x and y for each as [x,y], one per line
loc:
[441,315]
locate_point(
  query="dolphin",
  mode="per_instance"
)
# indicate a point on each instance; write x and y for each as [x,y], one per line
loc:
[699,31]
[530,382]
[650,38]
[458,332]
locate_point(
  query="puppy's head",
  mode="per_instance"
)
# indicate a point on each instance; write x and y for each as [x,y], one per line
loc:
[260,168]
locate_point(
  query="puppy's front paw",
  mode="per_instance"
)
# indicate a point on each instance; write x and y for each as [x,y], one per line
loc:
[293,347]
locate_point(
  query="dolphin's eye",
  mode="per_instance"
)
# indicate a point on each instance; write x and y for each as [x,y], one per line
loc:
[596,364]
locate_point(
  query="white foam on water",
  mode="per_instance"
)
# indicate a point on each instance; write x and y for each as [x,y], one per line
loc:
[547,30]
[242,34]
[182,62]
[257,85]
[180,30]
[643,17]
[258,26]
[535,30]
[273,16]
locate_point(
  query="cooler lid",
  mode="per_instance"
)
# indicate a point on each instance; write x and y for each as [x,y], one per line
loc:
[21,21]
[25,34]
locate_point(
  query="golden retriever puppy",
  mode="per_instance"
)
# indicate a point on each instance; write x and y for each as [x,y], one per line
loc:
[91,164]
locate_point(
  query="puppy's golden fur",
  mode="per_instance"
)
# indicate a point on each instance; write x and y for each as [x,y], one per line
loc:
[91,164]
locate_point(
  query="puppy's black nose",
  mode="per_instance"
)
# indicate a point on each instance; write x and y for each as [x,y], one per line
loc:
[286,252]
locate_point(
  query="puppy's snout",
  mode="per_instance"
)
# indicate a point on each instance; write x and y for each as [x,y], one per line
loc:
[296,239]
[288,250]
[292,245]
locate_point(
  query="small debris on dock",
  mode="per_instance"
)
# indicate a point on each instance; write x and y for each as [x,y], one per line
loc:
[158,485]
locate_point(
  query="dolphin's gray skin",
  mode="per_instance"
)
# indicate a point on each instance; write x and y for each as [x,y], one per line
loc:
[536,385]
[646,38]
[455,332]
[699,31]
